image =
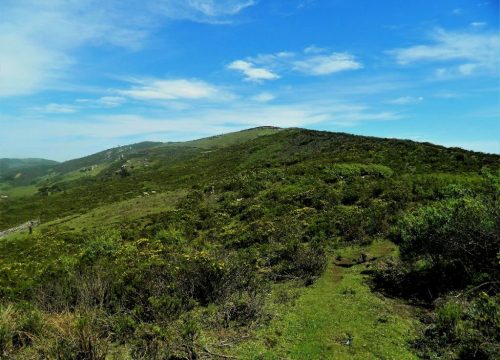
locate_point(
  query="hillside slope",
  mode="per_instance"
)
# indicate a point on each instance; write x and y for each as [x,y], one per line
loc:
[161,168]
[261,244]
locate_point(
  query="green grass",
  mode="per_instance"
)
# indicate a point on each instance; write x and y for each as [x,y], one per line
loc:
[115,213]
[18,191]
[338,306]
[229,139]
[77,174]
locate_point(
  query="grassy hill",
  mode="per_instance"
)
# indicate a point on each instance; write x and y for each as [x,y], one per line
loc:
[12,164]
[262,244]
[17,170]
[224,140]
[164,167]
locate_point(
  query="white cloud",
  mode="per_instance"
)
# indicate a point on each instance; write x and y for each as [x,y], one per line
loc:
[251,72]
[241,114]
[111,101]
[57,109]
[456,71]
[263,97]
[209,11]
[105,101]
[406,100]
[478,24]
[313,49]
[39,39]
[447,95]
[467,69]
[158,89]
[327,64]
[314,61]
[25,66]
[477,51]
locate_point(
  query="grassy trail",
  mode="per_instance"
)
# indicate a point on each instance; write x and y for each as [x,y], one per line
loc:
[338,307]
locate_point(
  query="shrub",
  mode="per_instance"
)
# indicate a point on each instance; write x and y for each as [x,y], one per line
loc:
[463,231]
[8,330]
[73,336]
[296,260]
[346,170]
[463,329]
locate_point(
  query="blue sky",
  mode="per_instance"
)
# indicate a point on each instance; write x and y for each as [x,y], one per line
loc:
[79,76]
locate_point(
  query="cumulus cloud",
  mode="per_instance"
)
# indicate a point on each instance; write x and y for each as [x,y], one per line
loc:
[476,51]
[251,72]
[314,61]
[327,64]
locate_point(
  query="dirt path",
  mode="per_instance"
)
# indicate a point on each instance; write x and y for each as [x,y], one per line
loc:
[23,227]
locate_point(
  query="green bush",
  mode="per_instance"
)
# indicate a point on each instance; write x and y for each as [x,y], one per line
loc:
[463,231]
[463,329]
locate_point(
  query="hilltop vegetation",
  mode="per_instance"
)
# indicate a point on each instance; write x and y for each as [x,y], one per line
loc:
[12,164]
[234,245]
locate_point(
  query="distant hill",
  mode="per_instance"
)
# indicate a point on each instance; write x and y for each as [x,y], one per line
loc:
[12,164]
[106,156]
[228,139]
[123,172]
[40,172]
[23,171]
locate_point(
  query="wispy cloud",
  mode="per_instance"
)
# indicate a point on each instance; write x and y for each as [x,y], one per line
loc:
[39,39]
[159,89]
[313,61]
[313,49]
[478,24]
[109,129]
[104,101]
[251,72]
[327,64]
[263,97]
[53,108]
[476,51]
[406,100]
[208,11]
[25,65]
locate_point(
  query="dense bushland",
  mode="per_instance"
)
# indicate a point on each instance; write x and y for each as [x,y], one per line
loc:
[267,210]
[449,254]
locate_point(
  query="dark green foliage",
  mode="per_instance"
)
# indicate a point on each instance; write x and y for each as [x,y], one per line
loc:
[23,171]
[452,244]
[251,211]
[463,329]
[460,230]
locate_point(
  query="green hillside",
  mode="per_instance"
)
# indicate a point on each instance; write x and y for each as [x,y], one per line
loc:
[12,164]
[19,169]
[261,244]
[234,138]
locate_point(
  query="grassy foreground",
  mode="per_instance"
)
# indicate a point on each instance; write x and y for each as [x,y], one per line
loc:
[338,307]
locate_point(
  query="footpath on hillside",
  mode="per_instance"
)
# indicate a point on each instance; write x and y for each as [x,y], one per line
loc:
[338,317]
